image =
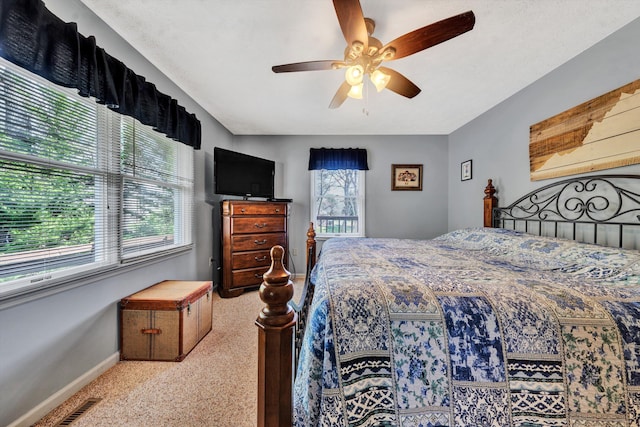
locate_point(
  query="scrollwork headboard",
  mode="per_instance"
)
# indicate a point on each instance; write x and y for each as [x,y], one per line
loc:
[602,209]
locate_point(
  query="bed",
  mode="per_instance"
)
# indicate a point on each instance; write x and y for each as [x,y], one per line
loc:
[494,326]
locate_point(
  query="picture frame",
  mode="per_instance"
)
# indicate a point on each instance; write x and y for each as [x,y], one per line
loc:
[406,177]
[465,170]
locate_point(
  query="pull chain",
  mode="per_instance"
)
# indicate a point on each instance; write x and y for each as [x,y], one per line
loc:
[365,109]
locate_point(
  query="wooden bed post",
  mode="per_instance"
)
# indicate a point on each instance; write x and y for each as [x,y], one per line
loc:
[275,345]
[311,247]
[490,202]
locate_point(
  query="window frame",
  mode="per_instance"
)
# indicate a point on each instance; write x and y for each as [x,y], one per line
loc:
[108,177]
[361,199]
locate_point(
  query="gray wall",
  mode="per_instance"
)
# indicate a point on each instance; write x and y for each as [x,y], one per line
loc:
[498,141]
[48,343]
[407,214]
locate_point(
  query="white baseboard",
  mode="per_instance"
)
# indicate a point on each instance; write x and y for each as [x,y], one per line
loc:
[65,393]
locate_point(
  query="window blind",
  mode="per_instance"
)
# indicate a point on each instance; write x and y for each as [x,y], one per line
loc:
[157,190]
[82,188]
[52,178]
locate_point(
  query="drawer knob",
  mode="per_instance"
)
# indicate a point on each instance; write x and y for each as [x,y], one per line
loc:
[243,210]
[260,242]
[277,210]
[263,225]
[258,276]
[262,258]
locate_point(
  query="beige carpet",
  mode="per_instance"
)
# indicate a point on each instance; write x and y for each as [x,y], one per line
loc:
[215,385]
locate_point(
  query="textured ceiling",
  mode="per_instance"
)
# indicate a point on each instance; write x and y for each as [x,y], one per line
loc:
[221,52]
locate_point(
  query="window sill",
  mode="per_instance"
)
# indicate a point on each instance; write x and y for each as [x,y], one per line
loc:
[11,298]
[323,237]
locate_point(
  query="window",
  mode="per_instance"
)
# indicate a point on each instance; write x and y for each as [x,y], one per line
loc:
[157,184]
[337,202]
[82,189]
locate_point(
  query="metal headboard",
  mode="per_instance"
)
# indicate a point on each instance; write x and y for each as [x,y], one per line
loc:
[599,209]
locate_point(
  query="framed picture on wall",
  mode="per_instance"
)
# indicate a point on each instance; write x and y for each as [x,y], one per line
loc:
[465,170]
[406,177]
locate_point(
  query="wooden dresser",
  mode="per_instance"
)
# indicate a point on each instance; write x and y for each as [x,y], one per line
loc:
[249,230]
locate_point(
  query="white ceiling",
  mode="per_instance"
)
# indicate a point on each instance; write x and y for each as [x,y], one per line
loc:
[221,52]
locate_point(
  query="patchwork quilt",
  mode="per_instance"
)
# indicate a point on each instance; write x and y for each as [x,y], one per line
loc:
[478,327]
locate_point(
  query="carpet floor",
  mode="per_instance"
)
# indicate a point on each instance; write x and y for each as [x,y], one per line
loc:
[215,385]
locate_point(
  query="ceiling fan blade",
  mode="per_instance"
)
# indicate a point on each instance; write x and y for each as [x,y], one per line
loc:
[400,84]
[340,95]
[307,66]
[432,34]
[351,21]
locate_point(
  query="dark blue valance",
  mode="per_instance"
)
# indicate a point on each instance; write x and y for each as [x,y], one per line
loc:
[35,39]
[338,158]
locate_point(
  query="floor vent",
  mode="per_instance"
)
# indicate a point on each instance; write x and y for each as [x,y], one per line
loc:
[79,411]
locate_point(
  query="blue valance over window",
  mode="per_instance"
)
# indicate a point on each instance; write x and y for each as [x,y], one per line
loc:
[338,158]
[35,39]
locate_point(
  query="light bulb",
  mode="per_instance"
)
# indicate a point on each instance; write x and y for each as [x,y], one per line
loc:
[354,75]
[355,91]
[380,80]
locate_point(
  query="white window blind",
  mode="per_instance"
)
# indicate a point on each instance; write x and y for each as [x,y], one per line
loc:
[82,188]
[157,190]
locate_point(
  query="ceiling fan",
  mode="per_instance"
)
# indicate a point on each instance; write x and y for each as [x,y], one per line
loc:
[365,54]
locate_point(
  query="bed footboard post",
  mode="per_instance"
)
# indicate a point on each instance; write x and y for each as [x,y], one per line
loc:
[490,202]
[311,247]
[276,324]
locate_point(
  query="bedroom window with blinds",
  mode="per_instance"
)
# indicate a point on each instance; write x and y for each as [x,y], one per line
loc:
[338,191]
[82,189]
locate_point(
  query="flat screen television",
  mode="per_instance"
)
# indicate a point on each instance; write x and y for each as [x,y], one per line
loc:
[238,174]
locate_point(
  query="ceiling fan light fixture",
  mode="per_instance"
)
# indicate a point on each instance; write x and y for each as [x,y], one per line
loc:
[380,80]
[388,54]
[354,75]
[356,91]
[364,54]
[354,51]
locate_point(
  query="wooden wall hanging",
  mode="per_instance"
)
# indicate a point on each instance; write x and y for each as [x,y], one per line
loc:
[602,133]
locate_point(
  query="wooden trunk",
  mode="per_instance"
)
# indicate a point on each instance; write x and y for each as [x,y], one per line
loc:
[165,321]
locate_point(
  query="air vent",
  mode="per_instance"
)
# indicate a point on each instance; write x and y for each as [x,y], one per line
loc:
[79,411]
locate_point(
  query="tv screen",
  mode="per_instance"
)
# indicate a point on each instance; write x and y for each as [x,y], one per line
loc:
[237,174]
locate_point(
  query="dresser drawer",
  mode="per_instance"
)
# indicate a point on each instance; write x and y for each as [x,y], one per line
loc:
[258,209]
[253,242]
[265,224]
[251,259]
[248,277]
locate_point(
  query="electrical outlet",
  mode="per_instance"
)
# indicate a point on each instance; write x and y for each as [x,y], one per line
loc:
[294,252]
[210,261]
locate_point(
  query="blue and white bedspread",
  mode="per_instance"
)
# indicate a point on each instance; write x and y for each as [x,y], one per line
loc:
[478,327]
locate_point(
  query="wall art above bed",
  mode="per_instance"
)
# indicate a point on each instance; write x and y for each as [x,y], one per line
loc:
[599,134]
